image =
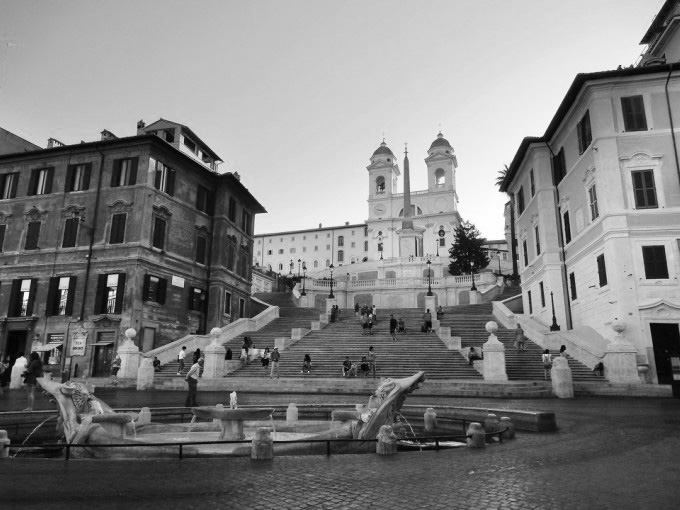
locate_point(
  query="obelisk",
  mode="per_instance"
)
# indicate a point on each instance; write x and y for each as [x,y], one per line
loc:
[408,237]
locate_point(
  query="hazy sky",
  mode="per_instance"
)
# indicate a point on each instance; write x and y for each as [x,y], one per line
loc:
[295,95]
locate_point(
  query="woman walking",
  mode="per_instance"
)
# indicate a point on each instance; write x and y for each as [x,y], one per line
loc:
[115,367]
[33,371]
[547,364]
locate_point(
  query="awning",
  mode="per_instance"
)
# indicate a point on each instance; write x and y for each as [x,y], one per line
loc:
[103,342]
[48,347]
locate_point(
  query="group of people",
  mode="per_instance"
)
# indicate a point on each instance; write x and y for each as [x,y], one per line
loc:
[335,313]
[366,366]
[30,369]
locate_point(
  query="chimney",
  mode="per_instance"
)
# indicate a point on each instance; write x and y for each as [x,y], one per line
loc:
[141,124]
[236,174]
[53,142]
[319,225]
[108,135]
[346,223]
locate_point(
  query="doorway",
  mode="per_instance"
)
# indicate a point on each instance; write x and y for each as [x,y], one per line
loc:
[103,354]
[666,343]
[16,343]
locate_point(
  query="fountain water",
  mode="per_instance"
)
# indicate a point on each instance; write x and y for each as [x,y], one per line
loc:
[33,432]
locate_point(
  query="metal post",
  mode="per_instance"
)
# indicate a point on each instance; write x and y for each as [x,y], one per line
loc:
[429,285]
[553,326]
[472,272]
[331,296]
[304,278]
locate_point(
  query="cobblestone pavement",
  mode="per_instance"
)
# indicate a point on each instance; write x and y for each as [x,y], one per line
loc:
[617,453]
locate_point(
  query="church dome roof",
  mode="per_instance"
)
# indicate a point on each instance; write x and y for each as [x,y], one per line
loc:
[383,149]
[440,142]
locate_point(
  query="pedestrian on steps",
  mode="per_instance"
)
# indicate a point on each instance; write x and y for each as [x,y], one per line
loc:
[393,327]
[520,339]
[371,360]
[274,362]
[547,364]
[364,324]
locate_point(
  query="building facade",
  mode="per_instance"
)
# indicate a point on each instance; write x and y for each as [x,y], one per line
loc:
[434,212]
[99,237]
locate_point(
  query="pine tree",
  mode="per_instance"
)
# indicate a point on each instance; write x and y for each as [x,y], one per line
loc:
[467,253]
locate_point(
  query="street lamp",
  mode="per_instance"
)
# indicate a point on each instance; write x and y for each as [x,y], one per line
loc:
[472,272]
[299,268]
[203,314]
[304,277]
[553,326]
[499,261]
[291,267]
[429,285]
[331,296]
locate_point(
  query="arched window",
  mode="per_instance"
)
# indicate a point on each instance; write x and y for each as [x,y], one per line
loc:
[353,260]
[341,240]
[439,177]
[415,211]
[341,256]
[316,264]
[380,185]
[280,267]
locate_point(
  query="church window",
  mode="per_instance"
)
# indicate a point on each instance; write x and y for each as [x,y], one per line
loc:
[440,177]
[341,240]
[328,262]
[354,245]
[365,245]
[316,264]
[341,256]
[380,185]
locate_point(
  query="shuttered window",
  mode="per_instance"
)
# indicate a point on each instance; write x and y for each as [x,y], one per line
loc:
[154,289]
[124,172]
[601,270]
[633,109]
[60,295]
[32,235]
[117,235]
[70,232]
[654,258]
[164,179]
[78,177]
[40,182]
[158,233]
[644,189]
[8,185]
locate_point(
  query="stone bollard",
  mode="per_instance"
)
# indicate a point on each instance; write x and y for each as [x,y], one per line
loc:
[144,417]
[387,441]
[475,436]
[263,445]
[560,376]
[491,425]
[4,444]
[291,414]
[506,423]
[217,421]
[430,419]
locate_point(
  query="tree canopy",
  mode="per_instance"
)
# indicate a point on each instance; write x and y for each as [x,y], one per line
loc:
[467,253]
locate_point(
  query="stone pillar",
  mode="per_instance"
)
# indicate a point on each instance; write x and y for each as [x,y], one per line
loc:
[144,417]
[281,343]
[431,303]
[129,355]
[560,374]
[475,297]
[508,427]
[263,445]
[4,442]
[430,420]
[620,359]
[214,357]
[475,436]
[492,424]
[387,441]
[494,355]
[291,414]
[145,375]
[323,319]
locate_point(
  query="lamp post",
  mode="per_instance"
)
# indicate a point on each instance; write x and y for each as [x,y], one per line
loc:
[429,285]
[304,277]
[203,314]
[553,326]
[472,272]
[290,271]
[498,253]
[299,261]
[331,296]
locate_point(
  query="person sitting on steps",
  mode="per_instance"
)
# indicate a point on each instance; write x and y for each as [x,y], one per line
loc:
[346,367]
[473,356]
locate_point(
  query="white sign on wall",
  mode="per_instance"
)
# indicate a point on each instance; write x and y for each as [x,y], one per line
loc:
[178,282]
[78,342]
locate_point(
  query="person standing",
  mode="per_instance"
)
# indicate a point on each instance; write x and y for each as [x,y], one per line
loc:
[115,367]
[547,364]
[375,314]
[520,341]
[306,364]
[265,359]
[427,317]
[364,324]
[393,327]
[563,351]
[182,354]
[192,381]
[33,371]
[370,324]
[371,360]
[274,362]
[196,356]
[364,367]
[356,309]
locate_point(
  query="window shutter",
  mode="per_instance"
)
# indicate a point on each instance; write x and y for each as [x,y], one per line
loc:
[170,184]
[157,178]
[191,298]
[120,294]
[133,171]
[70,233]
[32,182]
[159,233]
[32,235]
[145,288]
[14,299]
[52,296]
[86,176]
[31,296]
[48,180]
[71,295]
[200,249]
[3,228]
[15,181]
[115,174]
[100,299]
[68,185]
[161,290]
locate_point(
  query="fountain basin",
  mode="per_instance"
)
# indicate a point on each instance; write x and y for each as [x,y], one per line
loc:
[232,419]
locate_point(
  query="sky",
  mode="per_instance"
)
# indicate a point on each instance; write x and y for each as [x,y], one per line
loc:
[295,95]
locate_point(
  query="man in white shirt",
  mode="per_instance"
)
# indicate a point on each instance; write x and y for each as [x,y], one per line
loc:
[180,357]
[192,379]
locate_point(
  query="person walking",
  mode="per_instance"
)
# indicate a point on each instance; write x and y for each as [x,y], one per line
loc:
[402,325]
[196,356]
[520,339]
[364,367]
[563,351]
[274,362]
[547,364]
[192,381]
[265,359]
[370,324]
[364,324]
[115,367]
[356,309]
[371,360]
[33,371]
[182,354]
[374,311]
[306,364]
[393,327]
[427,317]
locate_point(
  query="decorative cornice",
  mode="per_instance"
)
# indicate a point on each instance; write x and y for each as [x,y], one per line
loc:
[120,205]
[35,214]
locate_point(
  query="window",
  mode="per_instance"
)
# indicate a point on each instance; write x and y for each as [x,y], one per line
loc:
[8,185]
[201,249]
[165,178]
[601,270]
[520,200]
[110,293]
[328,246]
[77,177]
[380,185]
[244,261]
[22,298]
[60,295]
[32,235]
[654,258]
[316,248]
[241,307]
[365,231]
[439,177]
[196,299]
[169,135]
[158,240]
[190,145]
[204,200]
[227,303]
[70,232]
[341,241]
[592,198]
[292,250]
[644,190]
[154,289]
[280,251]
[40,182]
[3,229]
[231,253]
[542,289]
[269,252]
[526,253]
[572,286]
[567,227]
[341,256]
[354,245]
[584,134]
[365,245]
[633,109]
[538,241]
[316,264]
[531,306]
[304,249]
[442,242]
[245,222]
[232,210]
[124,172]
[559,166]
[117,234]
[532,182]
[280,267]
